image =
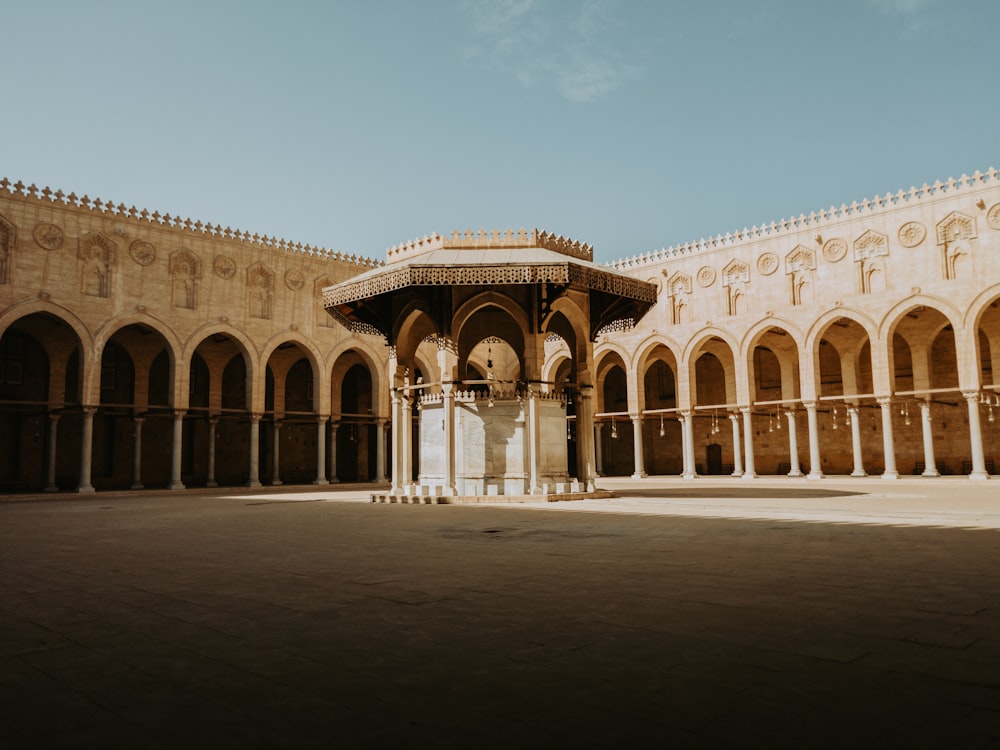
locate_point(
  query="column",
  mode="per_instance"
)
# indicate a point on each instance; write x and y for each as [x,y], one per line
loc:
[598,450]
[448,403]
[137,453]
[86,450]
[737,448]
[175,456]
[320,451]
[332,452]
[380,435]
[396,450]
[406,443]
[50,459]
[640,467]
[793,445]
[815,470]
[585,435]
[687,445]
[534,449]
[930,462]
[213,423]
[276,454]
[859,464]
[976,437]
[888,445]
[750,472]
[254,480]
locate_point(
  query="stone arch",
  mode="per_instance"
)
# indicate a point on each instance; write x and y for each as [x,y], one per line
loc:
[111,327]
[308,348]
[375,362]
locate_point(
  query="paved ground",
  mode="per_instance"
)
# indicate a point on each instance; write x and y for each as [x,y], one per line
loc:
[780,613]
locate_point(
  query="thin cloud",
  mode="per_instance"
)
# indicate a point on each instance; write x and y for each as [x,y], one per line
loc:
[570,48]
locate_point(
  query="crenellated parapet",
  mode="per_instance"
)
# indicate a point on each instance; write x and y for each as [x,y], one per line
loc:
[815,220]
[205,229]
[490,240]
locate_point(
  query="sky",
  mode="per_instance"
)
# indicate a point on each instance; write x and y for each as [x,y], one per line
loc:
[630,125]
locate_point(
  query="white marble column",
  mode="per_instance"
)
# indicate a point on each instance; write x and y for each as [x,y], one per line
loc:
[86,450]
[793,445]
[859,463]
[750,472]
[534,449]
[332,452]
[888,442]
[396,449]
[254,480]
[175,451]
[640,468]
[976,437]
[930,462]
[380,438]
[737,446]
[276,453]
[213,425]
[448,411]
[137,453]
[406,443]
[686,417]
[815,470]
[50,458]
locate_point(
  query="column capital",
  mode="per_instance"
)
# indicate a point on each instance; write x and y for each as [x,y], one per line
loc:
[733,417]
[884,401]
[178,413]
[972,396]
[213,420]
[90,410]
[746,410]
[809,405]
[256,416]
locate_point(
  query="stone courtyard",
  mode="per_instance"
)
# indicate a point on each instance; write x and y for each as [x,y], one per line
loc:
[778,613]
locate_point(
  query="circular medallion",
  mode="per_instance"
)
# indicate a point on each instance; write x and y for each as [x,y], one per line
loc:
[911,234]
[767,263]
[294,279]
[48,236]
[706,276]
[993,216]
[142,252]
[834,250]
[224,267]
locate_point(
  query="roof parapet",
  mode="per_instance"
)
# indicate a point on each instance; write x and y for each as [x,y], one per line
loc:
[483,240]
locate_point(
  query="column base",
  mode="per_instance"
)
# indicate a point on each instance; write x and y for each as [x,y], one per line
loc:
[211,483]
[689,475]
[334,480]
[50,488]
[979,476]
[795,473]
[749,475]
[137,486]
[253,483]
[85,489]
[815,475]
[931,473]
[640,475]
[737,473]
[859,473]
[177,485]
[890,475]
[276,483]
[320,481]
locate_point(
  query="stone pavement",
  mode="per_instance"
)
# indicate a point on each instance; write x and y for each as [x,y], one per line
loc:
[707,613]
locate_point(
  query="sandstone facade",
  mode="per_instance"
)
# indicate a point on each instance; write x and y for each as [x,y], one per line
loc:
[146,350]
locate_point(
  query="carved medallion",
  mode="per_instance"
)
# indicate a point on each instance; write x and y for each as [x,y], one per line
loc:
[142,252]
[294,279]
[706,276]
[911,234]
[834,250]
[993,216]
[48,236]
[767,263]
[224,267]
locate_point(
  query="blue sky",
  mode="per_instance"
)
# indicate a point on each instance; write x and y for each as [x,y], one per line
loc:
[628,124]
